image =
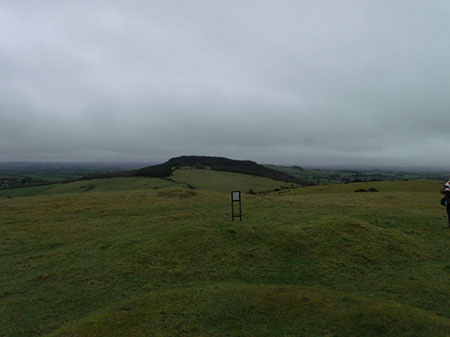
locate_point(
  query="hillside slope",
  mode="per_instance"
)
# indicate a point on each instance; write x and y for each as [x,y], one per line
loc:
[218,164]
[314,261]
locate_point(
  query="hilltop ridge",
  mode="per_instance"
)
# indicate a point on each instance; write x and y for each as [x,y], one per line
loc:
[218,164]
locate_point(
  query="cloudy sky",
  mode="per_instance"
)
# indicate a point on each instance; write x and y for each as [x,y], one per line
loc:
[348,82]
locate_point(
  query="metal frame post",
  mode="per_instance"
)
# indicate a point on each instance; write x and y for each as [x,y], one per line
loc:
[232,205]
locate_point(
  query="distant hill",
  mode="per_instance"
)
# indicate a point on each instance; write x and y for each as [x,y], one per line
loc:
[166,170]
[218,164]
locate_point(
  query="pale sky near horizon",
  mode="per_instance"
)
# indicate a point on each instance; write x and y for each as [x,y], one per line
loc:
[289,82]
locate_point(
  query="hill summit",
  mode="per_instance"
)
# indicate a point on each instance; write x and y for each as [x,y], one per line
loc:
[218,164]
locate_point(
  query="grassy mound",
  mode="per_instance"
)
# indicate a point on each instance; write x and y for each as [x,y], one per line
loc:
[346,239]
[257,310]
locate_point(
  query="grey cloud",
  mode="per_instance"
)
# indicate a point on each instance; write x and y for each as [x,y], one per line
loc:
[306,82]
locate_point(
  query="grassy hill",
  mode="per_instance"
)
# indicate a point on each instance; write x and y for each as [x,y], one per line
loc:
[219,164]
[139,261]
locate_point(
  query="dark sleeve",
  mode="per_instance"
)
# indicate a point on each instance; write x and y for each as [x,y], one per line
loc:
[443,190]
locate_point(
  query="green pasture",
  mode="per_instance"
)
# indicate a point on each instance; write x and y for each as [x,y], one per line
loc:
[53,177]
[110,185]
[315,261]
[334,176]
[183,178]
[226,181]
[41,177]
[414,188]
[24,191]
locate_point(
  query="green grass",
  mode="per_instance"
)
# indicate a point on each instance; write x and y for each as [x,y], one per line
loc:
[255,310]
[182,178]
[110,185]
[24,191]
[226,181]
[334,176]
[53,177]
[94,185]
[41,177]
[416,187]
[316,261]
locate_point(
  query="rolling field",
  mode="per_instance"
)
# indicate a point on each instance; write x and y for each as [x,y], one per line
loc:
[24,191]
[41,177]
[109,185]
[183,178]
[335,176]
[138,261]
[226,181]
[94,185]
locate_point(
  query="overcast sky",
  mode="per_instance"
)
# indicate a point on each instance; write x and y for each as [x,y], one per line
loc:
[291,82]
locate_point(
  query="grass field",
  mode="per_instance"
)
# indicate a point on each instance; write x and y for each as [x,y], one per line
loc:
[41,177]
[315,261]
[196,179]
[226,181]
[94,185]
[17,181]
[24,191]
[335,176]
[109,185]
